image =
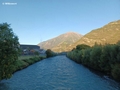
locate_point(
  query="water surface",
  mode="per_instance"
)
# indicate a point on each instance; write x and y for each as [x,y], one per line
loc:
[57,73]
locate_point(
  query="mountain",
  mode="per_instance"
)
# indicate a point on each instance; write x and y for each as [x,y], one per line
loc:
[60,43]
[109,33]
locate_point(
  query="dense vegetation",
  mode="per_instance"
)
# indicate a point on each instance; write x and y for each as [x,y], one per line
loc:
[50,53]
[9,51]
[103,58]
[25,62]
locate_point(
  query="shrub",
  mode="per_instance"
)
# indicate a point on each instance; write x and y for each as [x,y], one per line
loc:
[49,53]
[82,46]
[116,72]
[95,56]
[20,64]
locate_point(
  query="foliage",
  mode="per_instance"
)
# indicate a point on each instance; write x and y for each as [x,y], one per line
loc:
[20,64]
[82,46]
[25,62]
[9,50]
[103,58]
[36,53]
[50,53]
[86,57]
[95,57]
[25,57]
[116,72]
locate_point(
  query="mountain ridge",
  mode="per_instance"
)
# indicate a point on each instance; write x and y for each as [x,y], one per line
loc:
[109,33]
[61,42]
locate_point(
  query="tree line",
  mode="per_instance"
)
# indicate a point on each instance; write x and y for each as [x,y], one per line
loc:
[104,58]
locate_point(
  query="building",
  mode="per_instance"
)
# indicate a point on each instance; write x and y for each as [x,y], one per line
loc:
[29,49]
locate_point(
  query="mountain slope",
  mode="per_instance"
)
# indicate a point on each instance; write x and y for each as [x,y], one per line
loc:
[109,33]
[60,43]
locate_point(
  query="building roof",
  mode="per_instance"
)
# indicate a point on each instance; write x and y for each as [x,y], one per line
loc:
[23,46]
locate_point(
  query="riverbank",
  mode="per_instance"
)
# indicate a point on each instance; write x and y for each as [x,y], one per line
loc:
[25,61]
[99,72]
[105,58]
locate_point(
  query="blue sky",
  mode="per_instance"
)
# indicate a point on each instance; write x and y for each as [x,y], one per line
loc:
[34,21]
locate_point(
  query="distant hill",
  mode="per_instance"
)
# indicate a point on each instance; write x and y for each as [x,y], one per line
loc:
[60,43]
[109,33]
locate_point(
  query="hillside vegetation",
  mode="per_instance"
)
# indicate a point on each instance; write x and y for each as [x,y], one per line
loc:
[60,43]
[109,33]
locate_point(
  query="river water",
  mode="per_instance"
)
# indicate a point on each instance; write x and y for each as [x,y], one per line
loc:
[58,73]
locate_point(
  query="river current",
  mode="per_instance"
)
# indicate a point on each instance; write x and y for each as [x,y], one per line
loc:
[58,73]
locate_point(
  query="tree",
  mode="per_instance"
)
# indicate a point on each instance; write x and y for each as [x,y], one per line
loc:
[107,58]
[116,72]
[82,46]
[95,56]
[86,57]
[49,53]
[9,51]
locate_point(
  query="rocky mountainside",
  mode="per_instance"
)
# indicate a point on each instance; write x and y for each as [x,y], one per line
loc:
[60,43]
[109,33]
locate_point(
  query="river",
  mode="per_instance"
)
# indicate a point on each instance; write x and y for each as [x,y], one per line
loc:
[57,73]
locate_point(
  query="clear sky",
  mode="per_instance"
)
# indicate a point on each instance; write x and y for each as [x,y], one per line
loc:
[34,21]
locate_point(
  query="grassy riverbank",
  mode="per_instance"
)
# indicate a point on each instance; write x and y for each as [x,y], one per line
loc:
[101,58]
[26,57]
[25,61]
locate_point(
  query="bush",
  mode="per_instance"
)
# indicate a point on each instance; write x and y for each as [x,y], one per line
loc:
[86,57]
[82,46]
[116,72]
[49,53]
[95,55]
[23,63]
[20,64]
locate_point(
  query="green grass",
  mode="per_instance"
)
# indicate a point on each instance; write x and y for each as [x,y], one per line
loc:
[25,57]
[26,60]
[29,56]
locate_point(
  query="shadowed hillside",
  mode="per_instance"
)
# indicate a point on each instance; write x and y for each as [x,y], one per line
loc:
[60,43]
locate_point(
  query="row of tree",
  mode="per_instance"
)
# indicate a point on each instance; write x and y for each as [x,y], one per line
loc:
[105,58]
